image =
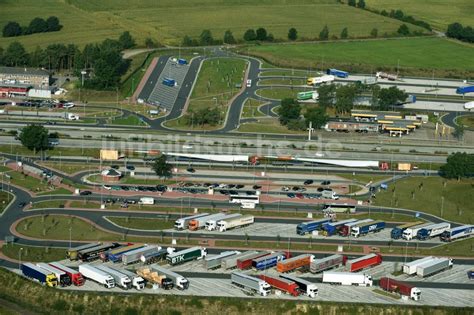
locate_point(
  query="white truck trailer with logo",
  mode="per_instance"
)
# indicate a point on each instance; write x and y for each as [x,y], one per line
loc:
[97,275]
[233,223]
[180,282]
[121,280]
[182,223]
[185,255]
[253,284]
[347,278]
[410,267]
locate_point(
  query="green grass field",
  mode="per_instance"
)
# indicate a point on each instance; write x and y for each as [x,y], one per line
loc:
[167,21]
[267,125]
[439,13]
[278,93]
[467,121]
[458,197]
[250,109]
[33,253]
[414,55]
[142,223]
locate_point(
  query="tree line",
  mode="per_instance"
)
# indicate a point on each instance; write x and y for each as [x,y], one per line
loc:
[37,25]
[458,31]
[339,97]
[394,14]
[103,61]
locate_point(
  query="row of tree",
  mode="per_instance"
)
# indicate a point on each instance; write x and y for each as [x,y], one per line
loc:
[203,116]
[103,61]
[463,33]
[37,25]
[291,117]
[459,165]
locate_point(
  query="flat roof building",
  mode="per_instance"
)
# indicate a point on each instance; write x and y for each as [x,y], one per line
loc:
[36,78]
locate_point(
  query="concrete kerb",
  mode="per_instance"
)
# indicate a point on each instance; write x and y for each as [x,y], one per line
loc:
[10,204]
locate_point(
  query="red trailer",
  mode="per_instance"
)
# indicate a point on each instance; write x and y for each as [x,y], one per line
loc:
[364,262]
[403,288]
[282,284]
[246,262]
[76,276]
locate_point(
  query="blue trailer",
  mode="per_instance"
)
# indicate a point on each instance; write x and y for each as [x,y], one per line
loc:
[309,227]
[331,228]
[169,82]
[465,89]
[182,61]
[365,228]
[39,274]
[268,261]
[337,73]
[432,230]
[457,232]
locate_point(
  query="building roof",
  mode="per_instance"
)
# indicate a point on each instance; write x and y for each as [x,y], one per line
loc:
[18,71]
[112,173]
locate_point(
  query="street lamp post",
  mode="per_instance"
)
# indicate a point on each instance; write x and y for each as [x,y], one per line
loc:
[19,258]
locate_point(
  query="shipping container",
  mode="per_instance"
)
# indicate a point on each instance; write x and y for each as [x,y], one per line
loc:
[182,223]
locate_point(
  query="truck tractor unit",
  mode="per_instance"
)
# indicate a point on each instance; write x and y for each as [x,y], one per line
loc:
[284,285]
[397,231]
[366,228]
[432,231]
[121,280]
[309,227]
[182,224]
[64,279]
[403,288]
[249,283]
[71,253]
[200,223]
[305,287]
[211,224]
[332,228]
[76,277]
[179,282]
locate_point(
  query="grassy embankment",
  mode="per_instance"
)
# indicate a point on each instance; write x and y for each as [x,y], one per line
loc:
[250,109]
[467,121]
[449,199]
[32,297]
[5,199]
[142,223]
[415,56]
[215,86]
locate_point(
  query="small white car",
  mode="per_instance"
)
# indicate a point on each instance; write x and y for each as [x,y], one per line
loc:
[249,83]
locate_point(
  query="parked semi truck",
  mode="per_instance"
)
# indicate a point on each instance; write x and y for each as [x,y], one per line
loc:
[465,89]
[253,284]
[432,231]
[99,276]
[185,255]
[332,228]
[410,233]
[246,262]
[76,278]
[115,255]
[154,277]
[200,223]
[38,274]
[94,252]
[120,279]
[290,264]
[337,73]
[434,266]
[307,95]
[231,262]
[137,281]
[63,278]
[211,225]
[305,287]
[384,75]
[347,278]
[216,261]
[71,253]
[366,228]
[134,255]
[320,80]
[309,227]
[182,223]
[457,233]
[345,230]
[269,261]
[363,262]
[410,267]
[180,282]
[397,231]
[282,284]
[155,257]
[403,288]
[228,224]
[319,265]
